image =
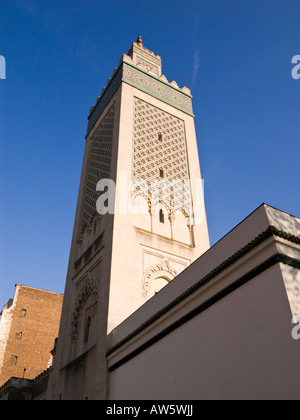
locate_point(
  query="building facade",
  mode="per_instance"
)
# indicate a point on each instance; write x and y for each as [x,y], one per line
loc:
[140,217]
[150,311]
[28,327]
[226,328]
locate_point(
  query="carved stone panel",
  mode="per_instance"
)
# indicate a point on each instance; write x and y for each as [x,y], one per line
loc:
[160,157]
[88,289]
[160,270]
[98,167]
[159,264]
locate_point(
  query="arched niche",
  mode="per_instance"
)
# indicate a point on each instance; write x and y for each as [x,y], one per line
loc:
[156,277]
[141,215]
[160,221]
[180,228]
[157,284]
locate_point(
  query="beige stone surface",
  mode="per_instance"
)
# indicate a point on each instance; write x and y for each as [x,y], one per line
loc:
[118,261]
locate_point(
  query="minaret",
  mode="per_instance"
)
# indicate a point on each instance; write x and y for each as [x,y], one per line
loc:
[140,216]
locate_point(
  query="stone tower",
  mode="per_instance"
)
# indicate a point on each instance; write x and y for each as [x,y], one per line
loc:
[140,216]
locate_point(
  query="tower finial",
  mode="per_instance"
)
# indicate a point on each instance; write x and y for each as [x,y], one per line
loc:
[139,40]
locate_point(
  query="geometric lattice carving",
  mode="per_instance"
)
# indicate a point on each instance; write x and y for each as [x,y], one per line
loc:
[159,153]
[98,166]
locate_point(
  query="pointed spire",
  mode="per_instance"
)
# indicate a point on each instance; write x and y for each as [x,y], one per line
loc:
[139,41]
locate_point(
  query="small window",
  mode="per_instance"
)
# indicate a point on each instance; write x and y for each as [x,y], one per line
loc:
[160,137]
[13,360]
[161,173]
[161,216]
[18,336]
[23,313]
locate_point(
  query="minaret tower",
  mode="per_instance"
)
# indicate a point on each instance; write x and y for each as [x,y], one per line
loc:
[140,216]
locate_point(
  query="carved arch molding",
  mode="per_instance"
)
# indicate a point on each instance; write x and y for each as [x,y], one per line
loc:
[87,289]
[162,269]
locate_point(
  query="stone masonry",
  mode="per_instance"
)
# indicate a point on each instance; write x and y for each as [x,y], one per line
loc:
[28,327]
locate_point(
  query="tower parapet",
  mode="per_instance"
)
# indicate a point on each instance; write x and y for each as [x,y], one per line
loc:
[142,69]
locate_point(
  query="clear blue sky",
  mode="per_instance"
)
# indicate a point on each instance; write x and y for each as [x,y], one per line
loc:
[235,55]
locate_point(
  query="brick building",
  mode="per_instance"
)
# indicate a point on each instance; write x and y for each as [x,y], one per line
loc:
[28,327]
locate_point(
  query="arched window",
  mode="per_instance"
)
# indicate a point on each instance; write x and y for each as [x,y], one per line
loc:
[157,285]
[161,216]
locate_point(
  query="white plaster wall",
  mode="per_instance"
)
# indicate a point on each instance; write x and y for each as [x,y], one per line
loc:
[5,324]
[239,348]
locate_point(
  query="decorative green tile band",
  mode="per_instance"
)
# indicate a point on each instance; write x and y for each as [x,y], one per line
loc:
[144,81]
[155,87]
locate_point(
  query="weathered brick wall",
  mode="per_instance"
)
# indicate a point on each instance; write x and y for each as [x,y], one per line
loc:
[34,327]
